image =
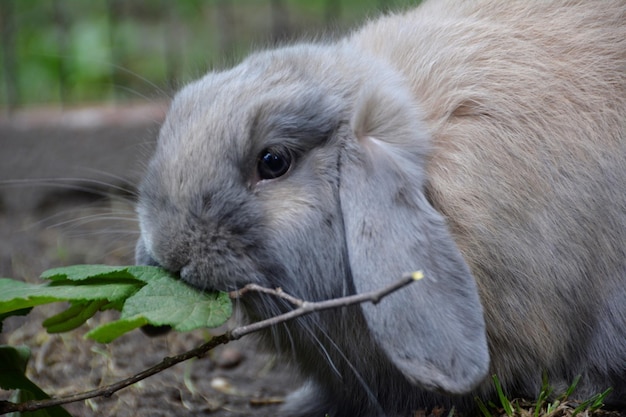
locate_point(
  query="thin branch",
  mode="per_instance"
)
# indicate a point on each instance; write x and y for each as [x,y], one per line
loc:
[307,307]
[303,307]
[278,292]
[109,390]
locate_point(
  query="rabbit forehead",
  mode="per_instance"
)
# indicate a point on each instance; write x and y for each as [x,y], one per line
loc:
[217,126]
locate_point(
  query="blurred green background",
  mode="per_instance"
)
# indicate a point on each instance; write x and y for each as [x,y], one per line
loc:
[70,52]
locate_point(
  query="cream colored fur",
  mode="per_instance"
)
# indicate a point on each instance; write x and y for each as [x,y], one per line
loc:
[536,86]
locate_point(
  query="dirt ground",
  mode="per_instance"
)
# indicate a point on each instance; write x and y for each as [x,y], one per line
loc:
[66,187]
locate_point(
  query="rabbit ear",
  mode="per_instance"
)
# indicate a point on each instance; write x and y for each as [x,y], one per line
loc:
[433,330]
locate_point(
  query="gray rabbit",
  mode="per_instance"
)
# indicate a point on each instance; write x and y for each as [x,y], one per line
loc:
[482,142]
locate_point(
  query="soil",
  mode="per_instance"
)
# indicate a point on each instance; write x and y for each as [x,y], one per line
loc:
[67,180]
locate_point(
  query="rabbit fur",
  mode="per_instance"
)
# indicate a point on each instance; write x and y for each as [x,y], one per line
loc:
[482,142]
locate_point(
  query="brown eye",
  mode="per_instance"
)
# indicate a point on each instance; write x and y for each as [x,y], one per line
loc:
[273,163]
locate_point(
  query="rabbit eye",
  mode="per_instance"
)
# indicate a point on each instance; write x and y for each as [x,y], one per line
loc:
[273,163]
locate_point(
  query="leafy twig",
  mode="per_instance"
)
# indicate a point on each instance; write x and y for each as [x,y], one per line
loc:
[303,307]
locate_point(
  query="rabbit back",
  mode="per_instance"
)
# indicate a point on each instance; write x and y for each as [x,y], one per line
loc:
[526,103]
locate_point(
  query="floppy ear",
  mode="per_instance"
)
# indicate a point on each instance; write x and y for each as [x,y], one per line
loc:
[432,330]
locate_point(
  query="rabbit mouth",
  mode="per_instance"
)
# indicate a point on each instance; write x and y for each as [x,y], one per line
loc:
[226,269]
[195,276]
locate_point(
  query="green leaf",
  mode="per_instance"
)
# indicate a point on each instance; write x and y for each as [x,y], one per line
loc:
[148,273]
[72,311]
[142,273]
[73,317]
[143,294]
[165,301]
[13,362]
[17,295]
[82,272]
[13,359]
[110,331]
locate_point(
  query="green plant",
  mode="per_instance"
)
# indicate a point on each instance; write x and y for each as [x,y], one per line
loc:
[506,404]
[144,295]
[545,405]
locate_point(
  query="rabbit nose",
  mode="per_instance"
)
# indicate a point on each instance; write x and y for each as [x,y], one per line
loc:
[188,273]
[144,256]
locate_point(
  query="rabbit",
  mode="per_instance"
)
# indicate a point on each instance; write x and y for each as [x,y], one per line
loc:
[481,142]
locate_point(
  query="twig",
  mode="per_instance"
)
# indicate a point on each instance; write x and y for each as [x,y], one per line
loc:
[278,292]
[307,307]
[303,307]
[109,390]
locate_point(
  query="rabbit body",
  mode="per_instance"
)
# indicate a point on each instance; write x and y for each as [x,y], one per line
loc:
[483,142]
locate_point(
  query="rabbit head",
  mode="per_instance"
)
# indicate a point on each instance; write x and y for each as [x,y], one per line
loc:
[298,170]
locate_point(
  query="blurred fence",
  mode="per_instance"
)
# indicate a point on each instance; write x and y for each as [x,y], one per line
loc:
[75,51]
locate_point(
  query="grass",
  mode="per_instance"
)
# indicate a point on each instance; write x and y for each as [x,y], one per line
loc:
[546,404]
